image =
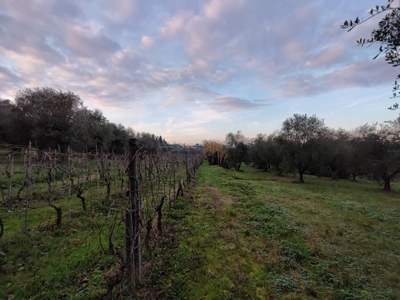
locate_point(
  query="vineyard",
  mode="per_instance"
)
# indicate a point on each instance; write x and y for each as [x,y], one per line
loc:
[120,198]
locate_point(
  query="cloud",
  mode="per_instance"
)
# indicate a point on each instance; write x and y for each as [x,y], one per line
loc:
[147,42]
[5,73]
[221,9]
[300,86]
[121,10]
[66,9]
[187,59]
[367,73]
[362,74]
[328,55]
[176,24]
[162,78]
[227,103]
[86,42]
[187,93]
[129,61]
[198,67]
[294,51]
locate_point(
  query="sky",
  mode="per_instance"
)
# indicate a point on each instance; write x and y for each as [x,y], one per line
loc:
[196,70]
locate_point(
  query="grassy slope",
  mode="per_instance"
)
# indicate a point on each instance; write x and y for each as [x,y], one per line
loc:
[252,235]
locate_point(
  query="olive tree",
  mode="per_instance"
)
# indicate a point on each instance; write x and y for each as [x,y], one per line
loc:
[7,130]
[45,115]
[237,149]
[257,152]
[383,146]
[300,134]
[333,154]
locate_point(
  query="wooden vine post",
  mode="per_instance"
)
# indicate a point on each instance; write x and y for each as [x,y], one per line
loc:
[10,172]
[132,225]
[69,169]
[188,178]
[27,161]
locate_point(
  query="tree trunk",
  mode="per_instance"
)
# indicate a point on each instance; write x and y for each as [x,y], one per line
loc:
[386,186]
[354,177]
[108,185]
[1,227]
[159,214]
[333,172]
[279,169]
[79,195]
[59,213]
[238,166]
[209,159]
[180,190]
[149,227]
[301,179]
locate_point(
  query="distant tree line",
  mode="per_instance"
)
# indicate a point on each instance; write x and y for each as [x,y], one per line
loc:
[53,119]
[305,145]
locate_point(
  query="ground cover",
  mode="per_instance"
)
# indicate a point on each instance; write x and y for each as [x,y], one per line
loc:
[81,253]
[254,235]
[50,262]
[236,235]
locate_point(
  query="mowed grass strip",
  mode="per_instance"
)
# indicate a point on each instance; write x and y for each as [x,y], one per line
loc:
[254,235]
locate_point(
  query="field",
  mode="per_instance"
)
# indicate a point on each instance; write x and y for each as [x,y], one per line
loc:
[253,235]
[237,235]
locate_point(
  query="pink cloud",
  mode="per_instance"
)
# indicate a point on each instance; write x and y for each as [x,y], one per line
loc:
[146,42]
[176,24]
[86,42]
[217,9]
[294,51]
[330,54]
[121,10]
[228,103]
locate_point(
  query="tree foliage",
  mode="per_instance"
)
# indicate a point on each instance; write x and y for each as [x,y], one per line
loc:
[383,154]
[305,145]
[257,151]
[300,134]
[55,119]
[6,125]
[237,149]
[334,154]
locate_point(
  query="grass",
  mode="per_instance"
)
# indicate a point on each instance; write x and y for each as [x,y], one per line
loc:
[237,235]
[53,263]
[253,235]
[67,262]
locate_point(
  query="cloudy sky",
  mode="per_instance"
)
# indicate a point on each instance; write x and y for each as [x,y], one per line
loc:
[194,70]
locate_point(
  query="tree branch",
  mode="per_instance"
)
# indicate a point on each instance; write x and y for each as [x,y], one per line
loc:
[357,22]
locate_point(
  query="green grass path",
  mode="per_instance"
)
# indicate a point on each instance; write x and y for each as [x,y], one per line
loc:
[252,235]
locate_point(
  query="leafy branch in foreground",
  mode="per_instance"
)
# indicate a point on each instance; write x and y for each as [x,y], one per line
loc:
[387,34]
